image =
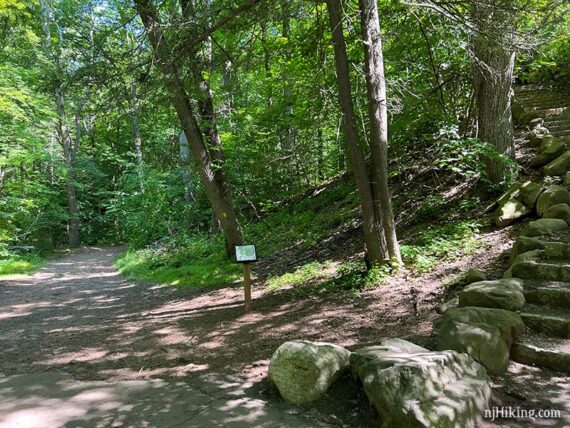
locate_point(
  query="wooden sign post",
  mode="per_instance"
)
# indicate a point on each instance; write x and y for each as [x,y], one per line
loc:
[247,287]
[246,254]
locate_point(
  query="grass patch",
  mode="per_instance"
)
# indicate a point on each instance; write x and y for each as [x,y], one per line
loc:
[437,243]
[20,265]
[201,263]
[305,222]
[308,273]
[322,278]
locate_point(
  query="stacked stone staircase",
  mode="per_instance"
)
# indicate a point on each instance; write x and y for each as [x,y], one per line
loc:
[526,315]
[546,313]
[550,103]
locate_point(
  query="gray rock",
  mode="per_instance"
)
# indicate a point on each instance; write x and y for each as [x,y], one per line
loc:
[512,193]
[549,296]
[557,250]
[529,193]
[549,150]
[539,121]
[537,135]
[560,211]
[302,371]
[485,334]
[554,195]
[521,258]
[532,355]
[447,305]
[474,275]
[558,166]
[551,326]
[544,227]
[502,294]
[412,387]
[524,244]
[544,270]
[567,179]
[510,212]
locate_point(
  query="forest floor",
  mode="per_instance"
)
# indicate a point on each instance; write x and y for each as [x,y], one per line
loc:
[80,345]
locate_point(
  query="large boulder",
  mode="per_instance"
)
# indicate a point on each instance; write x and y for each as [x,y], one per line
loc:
[554,195]
[483,333]
[544,227]
[549,150]
[474,275]
[524,244]
[546,265]
[517,202]
[532,255]
[501,293]
[510,212]
[560,211]
[537,135]
[302,371]
[512,193]
[412,387]
[558,166]
[529,193]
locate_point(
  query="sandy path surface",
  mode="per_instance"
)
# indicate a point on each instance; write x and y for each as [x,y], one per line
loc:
[80,346]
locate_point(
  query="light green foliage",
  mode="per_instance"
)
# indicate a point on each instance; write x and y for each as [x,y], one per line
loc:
[303,276]
[200,263]
[436,244]
[279,122]
[315,278]
[19,265]
[306,220]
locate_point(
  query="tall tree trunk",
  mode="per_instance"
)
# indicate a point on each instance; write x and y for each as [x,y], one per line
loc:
[287,93]
[137,140]
[200,67]
[493,63]
[2,174]
[218,194]
[185,157]
[378,115]
[69,151]
[373,233]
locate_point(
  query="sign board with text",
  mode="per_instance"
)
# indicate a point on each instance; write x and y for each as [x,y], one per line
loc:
[245,253]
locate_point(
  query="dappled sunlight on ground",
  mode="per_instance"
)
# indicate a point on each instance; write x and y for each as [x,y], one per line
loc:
[101,327]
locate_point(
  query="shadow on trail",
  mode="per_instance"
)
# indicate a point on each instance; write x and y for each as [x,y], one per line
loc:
[78,324]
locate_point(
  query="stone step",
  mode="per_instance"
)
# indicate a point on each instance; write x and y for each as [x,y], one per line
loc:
[544,352]
[550,111]
[561,133]
[553,297]
[534,100]
[558,126]
[552,322]
[551,270]
[545,106]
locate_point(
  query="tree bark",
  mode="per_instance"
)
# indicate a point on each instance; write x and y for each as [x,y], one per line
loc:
[69,150]
[137,140]
[378,115]
[218,195]
[199,68]
[373,233]
[185,156]
[493,63]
